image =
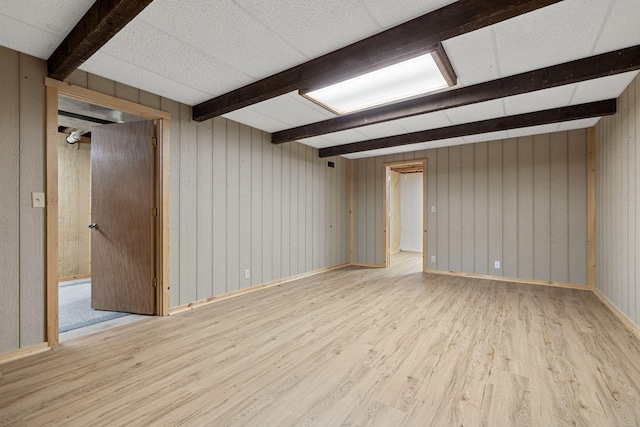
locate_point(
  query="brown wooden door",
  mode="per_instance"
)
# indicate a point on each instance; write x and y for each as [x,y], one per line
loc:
[122,198]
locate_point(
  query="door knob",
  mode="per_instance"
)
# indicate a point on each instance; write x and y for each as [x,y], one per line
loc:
[93,226]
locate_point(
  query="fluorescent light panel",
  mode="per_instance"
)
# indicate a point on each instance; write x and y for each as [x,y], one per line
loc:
[399,81]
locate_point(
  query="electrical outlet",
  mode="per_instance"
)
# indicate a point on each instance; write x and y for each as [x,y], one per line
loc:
[433,209]
[433,258]
[496,265]
[247,274]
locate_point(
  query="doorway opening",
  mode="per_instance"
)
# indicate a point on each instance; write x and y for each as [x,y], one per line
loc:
[405,227]
[74,117]
[77,314]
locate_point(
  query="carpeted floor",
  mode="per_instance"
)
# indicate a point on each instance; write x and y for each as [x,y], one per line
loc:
[75,307]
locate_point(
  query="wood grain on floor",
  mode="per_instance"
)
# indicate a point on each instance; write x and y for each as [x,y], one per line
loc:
[354,346]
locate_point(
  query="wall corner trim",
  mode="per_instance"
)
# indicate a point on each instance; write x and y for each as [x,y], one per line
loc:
[628,323]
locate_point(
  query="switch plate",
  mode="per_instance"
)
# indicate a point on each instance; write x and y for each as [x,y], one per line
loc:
[247,274]
[433,209]
[37,200]
[496,265]
[433,258]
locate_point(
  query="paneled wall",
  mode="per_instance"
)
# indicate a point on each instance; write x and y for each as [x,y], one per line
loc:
[74,209]
[240,203]
[618,204]
[520,201]
[395,220]
[22,228]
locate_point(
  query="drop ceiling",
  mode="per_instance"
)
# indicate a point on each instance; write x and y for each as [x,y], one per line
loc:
[192,51]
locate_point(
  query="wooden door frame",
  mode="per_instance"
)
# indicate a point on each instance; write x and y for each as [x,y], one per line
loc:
[55,88]
[386,256]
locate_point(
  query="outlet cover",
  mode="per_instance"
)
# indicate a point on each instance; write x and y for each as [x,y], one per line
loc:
[247,274]
[433,258]
[37,200]
[496,265]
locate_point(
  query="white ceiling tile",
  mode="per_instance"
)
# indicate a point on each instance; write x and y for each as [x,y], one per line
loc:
[291,111]
[622,29]
[256,119]
[540,100]
[562,32]
[533,130]
[105,65]
[473,57]
[53,16]
[258,52]
[390,13]
[380,130]
[317,142]
[445,143]
[603,88]
[314,27]
[345,137]
[434,120]
[489,136]
[24,38]
[476,112]
[152,49]
[579,124]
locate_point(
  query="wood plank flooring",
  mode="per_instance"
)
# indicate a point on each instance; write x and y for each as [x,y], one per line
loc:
[350,347]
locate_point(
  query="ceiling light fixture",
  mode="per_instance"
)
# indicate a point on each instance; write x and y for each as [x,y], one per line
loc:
[416,76]
[73,138]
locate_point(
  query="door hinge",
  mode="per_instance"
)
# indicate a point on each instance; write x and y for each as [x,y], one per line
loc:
[154,141]
[154,282]
[154,211]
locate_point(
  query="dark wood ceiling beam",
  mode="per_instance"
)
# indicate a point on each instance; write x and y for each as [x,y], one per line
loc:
[607,64]
[404,41]
[101,22]
[555,115]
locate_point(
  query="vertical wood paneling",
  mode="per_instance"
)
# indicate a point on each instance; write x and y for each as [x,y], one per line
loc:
[311,212]
[379,185]
[219,260]
[204,209]
[432,200]
[467,227]
[293,209]
[481,212]
[126,92]
[623,113]
[525,208]
[244,230]
[277,211]
[455,214]
[233,206]
[633,202]
[302,212]
[10,197]
[442,209]
[257,139]
[510,208]
[285,217]
[495,196]
[541,208]
[188,217]
[267,212]
[100,84]
[577,175]
[394,212]
[559,208]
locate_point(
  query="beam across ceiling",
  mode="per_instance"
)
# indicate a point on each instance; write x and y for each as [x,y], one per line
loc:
[101,22]
[555,115]
[401,42]
[607,64]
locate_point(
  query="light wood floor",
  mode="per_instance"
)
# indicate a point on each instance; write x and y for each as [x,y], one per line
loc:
[350,347]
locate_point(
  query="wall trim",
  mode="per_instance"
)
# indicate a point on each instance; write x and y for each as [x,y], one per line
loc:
[366,264]
[24,352]
[512,280]
[628,323]
[207,301]
[76,277]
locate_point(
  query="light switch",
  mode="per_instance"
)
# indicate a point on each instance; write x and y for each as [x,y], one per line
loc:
[37,200]
[433,209]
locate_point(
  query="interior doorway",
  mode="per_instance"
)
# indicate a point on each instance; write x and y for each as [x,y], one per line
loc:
[87,294]
[67,107]
[405,201]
